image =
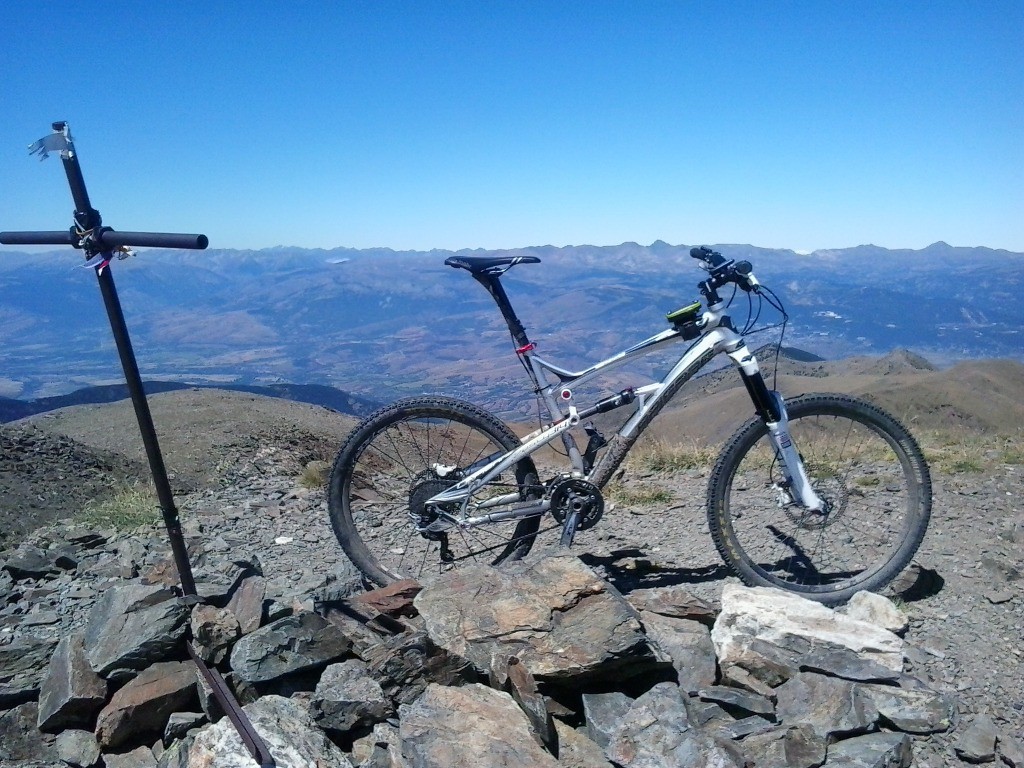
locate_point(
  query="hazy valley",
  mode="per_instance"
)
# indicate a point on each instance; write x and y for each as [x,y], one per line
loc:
[379,324]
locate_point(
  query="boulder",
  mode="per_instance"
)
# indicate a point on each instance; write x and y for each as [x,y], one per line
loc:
[877,610]
[304,641]
[142,708]
[828,705]
[873,750]
[77,748]
[556,615]
[789,746]
[23,665]
[467,727]
[686,644]
[132,626]
[213,632]
[71,693]
[767,632]
[912,711]
[347,697]
[20,739]
[656,732]
[283,724]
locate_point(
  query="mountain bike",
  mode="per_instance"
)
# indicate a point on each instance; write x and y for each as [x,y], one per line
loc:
[823,495]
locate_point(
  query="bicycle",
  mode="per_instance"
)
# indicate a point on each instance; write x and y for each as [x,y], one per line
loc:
[823,495]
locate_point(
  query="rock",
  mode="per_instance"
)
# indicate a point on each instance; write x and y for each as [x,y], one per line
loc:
[143,706]
[246,603]
[576,750]
[133,626]
[737,702]
[602,714]
[292,644]
[675,602]
[28,562]
[23,665]
[214,630]
[78,749]
[790,746]
[379,749]
[878,610]
[554,614]
[912,711]
[395,599]
[283,724]
[19,737]
[978,743]
[831,707]
[767,632]
[1011,751]
[873,750]
[686,644]
[71,693]
[472,725]
[656,732]
[140,757]
[523,687]
[844,663]
[347,697]
[180,723]
[405,664]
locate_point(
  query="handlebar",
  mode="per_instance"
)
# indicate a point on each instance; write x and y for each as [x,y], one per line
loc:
[723,271]
[106,239]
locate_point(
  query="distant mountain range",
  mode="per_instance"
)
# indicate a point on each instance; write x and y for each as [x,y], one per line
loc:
[377,324]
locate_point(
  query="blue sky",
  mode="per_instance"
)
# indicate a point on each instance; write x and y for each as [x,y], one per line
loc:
[425,124]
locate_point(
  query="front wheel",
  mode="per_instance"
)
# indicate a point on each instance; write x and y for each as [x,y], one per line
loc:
[861,462]
[401,456]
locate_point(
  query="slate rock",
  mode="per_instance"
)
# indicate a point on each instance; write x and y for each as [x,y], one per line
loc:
[29,562]
[143,706]
[656,732]
[132,626]
[140,757]
[180,723]
[577,750]
[70,693]
[295,643]
[347,697]
[739,703]
[246,603]
[555,614]
[283,724]
[602,713]
[686,644]
[675,602]
[23,665]
[471,725]
[873,750]
[78,748]
[214,630]
[830,706]
[912,711]
[977,744]
[405,664]
[837,661]
[788,746]
[19,737]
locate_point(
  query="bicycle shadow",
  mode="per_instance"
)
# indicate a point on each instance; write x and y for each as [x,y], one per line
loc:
[629,569]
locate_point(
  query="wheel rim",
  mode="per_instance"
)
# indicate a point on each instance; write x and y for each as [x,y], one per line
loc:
[397,469]
[871,498]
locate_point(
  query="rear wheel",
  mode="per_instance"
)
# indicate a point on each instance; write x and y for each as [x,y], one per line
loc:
[865,466]
[401,456]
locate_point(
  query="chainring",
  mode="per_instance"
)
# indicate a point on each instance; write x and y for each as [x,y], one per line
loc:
[569,494]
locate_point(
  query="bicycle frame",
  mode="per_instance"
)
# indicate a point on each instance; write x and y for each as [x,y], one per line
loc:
[716,336]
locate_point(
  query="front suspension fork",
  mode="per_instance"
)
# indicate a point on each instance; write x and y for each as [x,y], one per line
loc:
[771,408]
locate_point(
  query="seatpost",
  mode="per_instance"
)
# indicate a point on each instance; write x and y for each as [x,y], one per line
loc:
[494,287]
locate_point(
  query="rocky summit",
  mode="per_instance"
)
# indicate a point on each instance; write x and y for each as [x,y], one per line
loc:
[538,663]
[616,653]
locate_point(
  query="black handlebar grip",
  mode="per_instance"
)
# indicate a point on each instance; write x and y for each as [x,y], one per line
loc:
[111,239]
[60,237]
[714,258]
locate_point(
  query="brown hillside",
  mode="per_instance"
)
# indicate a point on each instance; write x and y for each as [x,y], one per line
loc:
[979,395]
